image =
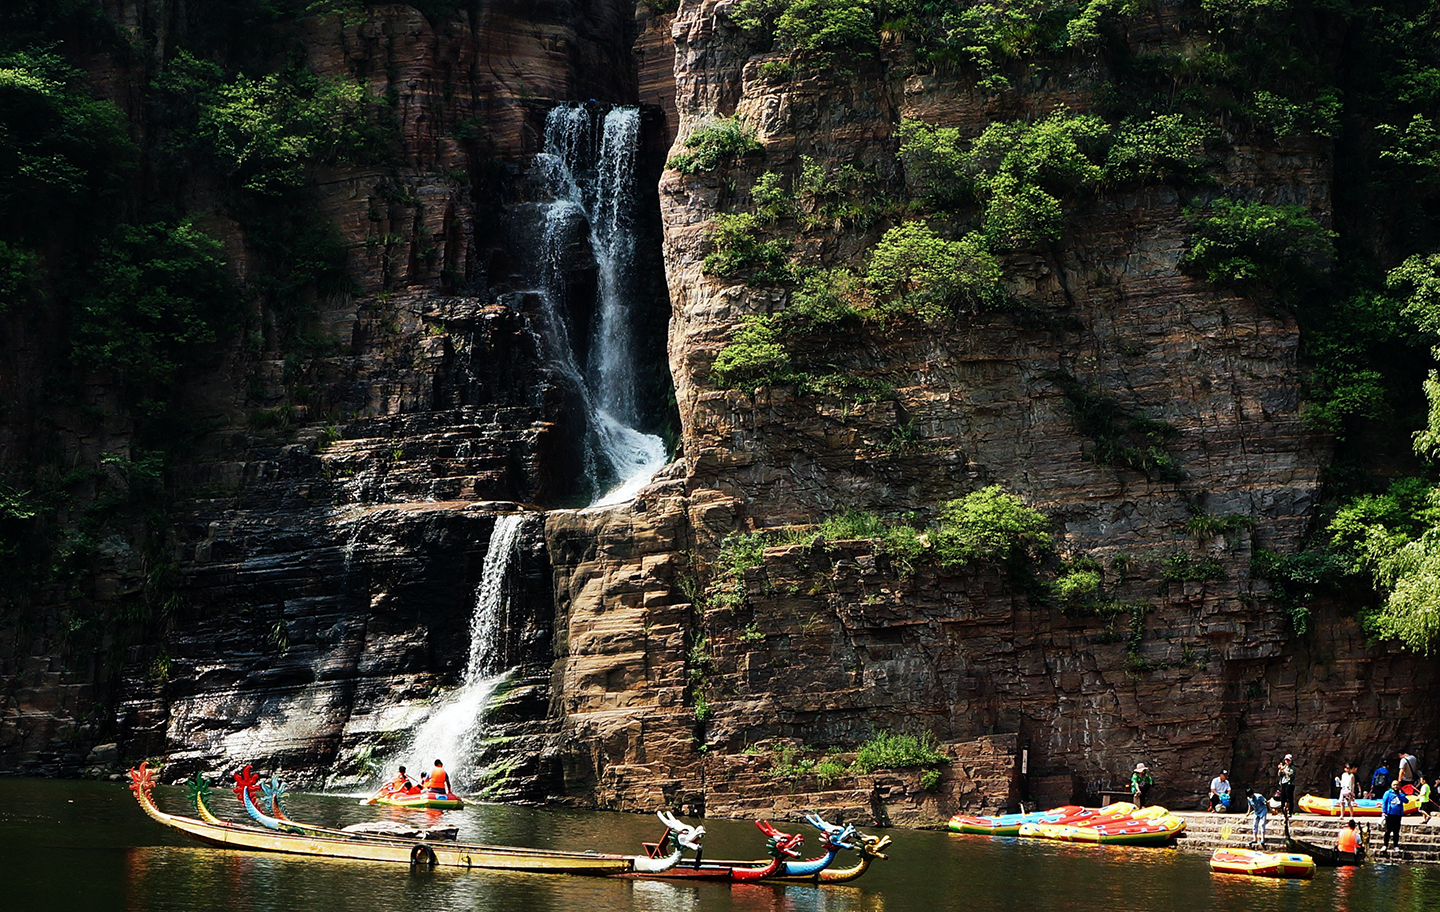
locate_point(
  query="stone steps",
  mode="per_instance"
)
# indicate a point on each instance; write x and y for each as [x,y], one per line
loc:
[1419,841]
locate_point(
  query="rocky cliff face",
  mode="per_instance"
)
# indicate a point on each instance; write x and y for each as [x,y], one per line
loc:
[328,567]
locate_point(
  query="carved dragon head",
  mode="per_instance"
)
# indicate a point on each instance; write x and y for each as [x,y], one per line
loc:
[873,846]
[781,845]
[273,790]
[685,836]
[196,788]
[245,781]
[836,837]
[142,780]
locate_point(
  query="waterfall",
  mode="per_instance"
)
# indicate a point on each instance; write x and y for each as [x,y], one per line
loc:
[591,177]
[450,731]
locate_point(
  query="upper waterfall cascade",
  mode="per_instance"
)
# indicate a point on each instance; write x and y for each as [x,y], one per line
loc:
[590,172]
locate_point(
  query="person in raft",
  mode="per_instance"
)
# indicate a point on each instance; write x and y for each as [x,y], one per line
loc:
[1349,838]
[437,781]
[1347,790]
[1220,792]
[1286,774]
[400,785]
[1140,782]
[1260,809]
[1393,806]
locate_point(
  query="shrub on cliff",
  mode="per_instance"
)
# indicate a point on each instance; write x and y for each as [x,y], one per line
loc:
[754,355]
[153,296]
[1257,247]
[887,750]
[915,269]
[989,525]
[707,146]
[736,246]
[824,34]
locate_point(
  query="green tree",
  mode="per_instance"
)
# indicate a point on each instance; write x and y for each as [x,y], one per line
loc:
[990,525]
[914,268]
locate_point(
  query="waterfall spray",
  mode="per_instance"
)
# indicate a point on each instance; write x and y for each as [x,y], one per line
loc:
[450,731]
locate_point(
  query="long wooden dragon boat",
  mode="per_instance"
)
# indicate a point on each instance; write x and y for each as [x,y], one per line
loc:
[404,851]
[869,847]
[782,847]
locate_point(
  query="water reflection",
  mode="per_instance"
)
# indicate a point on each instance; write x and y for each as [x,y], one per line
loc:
[101,853]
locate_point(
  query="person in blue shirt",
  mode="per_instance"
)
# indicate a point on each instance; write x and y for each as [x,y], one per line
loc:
[1393,806]
[1378,780]
[1260,808]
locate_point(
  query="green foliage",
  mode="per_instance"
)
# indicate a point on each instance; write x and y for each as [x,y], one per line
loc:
[60,149]
[1206,525]
[1411,611]
[1183,568]
[1284,117]
[989,525]
[267,132]
[754,355]
[1077,587]
[823,34]
[915,269]
[152,298]
[887,750]
[1254,246]
[930,780]
[713,142]
[1297,578]
[737,247]
[825,299]
[1120,438]
[772,199]
[1163,145]
[19,271]
[1369,528]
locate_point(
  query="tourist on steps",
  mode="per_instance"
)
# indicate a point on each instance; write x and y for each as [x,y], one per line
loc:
[437,781]
[1140,782]
[1347,790]
[1220,792]
[1393,805]
[1428,807]
[1286,774]
[1260,808]
[1408,772]
[1378,780]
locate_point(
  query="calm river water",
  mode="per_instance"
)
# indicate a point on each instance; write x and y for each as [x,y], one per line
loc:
[81,846]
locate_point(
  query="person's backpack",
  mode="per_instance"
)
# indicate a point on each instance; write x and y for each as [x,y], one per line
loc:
[1379,777]
[1394,804]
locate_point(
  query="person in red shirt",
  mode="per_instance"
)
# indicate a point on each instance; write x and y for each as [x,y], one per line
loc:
[437,780]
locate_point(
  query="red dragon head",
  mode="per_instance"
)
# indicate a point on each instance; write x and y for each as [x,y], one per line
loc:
[780,844]
[142,780]
[247,780]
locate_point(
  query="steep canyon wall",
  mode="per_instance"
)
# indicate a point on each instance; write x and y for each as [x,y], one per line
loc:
[327,565]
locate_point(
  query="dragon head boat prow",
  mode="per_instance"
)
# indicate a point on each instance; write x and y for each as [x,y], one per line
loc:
[780,844]
[142,781]
[684,835]
[837,837]
[873,846]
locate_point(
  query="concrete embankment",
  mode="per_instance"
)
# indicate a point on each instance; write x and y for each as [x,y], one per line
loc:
[1419,841]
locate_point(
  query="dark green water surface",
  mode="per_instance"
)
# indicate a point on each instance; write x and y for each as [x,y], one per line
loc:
[80,846]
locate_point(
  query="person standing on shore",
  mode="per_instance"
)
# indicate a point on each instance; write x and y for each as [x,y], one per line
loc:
[1428,807]
[1393,806]
[1347,790]
[1378,780]
[1140,782]
[1260,809]
[1408,772]
[1286,773]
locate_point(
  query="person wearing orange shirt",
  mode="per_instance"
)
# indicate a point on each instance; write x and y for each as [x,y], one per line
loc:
[437,780]
[400,784]
[1349,840]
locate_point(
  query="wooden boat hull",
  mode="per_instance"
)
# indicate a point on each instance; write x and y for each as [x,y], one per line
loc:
[1325,856]
[462,855]
[1262,864]
[1364,807]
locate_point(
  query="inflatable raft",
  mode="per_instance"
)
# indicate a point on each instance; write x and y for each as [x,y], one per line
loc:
[1262,864]
[1150,830]
[426,798]
[1364,807]
[1008,824]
